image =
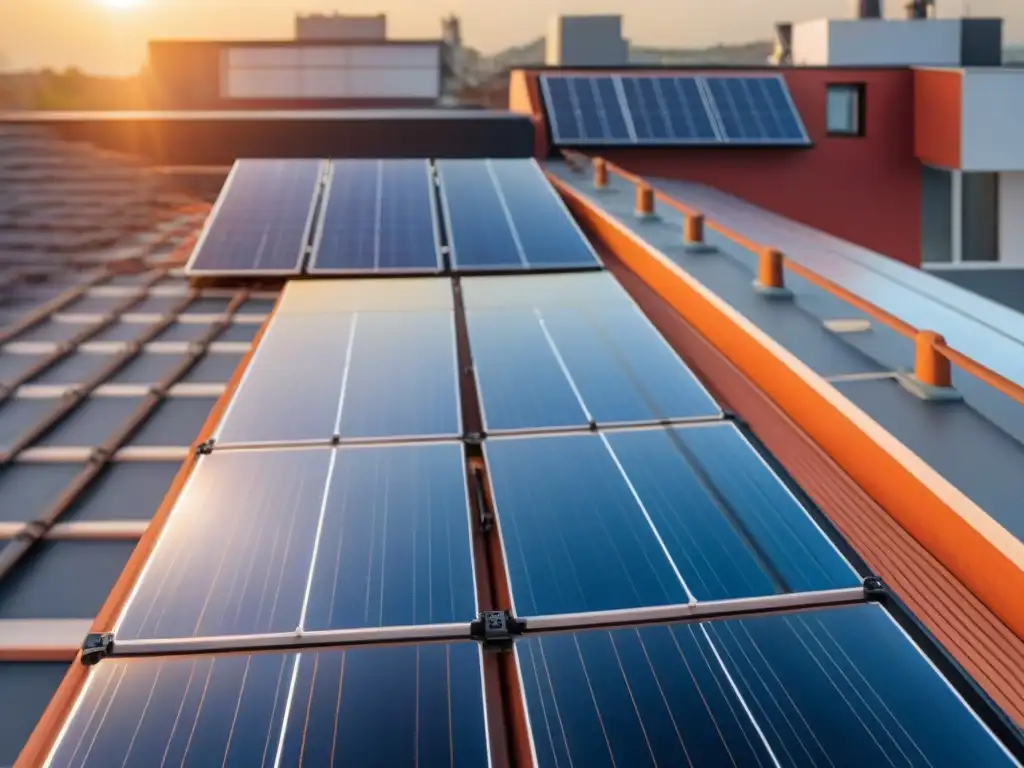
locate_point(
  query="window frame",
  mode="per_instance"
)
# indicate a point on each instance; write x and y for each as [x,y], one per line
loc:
[858,93]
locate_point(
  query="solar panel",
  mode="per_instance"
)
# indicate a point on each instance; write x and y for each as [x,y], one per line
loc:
[709,491]
[395,543]
[585,109]
[671,110]
[755,110]
[235,557]
[302,406]
[546,232]
[637,521]
[544,365]
[842,686]
[504,215]
[350,368]
[406,705]
[378,216]
[402,379]
[480,232]
[668,110]
[261,222]
[574,539]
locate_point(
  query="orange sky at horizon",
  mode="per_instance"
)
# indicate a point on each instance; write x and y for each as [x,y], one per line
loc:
[98,38]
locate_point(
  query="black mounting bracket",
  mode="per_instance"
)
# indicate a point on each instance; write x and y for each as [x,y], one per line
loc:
[874,590]
[96,647]
[205,449]
[496,630]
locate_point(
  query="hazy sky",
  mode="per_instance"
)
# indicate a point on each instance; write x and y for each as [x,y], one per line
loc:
[98,37]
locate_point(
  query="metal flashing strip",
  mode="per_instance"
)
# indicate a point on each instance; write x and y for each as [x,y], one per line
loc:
[491,627]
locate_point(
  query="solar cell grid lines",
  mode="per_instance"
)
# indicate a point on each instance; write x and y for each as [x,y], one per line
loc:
[550,359]
[633,518]
[755,110]
[375,373]
[503,215]
[843,686]
[670,109]
[378,216]
[586,109]
[317,708]
[395,543]
[261,222]
[264,541]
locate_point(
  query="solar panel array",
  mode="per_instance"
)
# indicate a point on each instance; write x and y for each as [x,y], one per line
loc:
[388,217]
[347,550]
[405,454]
[671,110]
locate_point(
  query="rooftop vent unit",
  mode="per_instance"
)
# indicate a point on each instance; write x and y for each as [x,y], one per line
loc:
[867,9]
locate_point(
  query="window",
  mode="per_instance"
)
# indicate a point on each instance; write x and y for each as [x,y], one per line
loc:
[845,110]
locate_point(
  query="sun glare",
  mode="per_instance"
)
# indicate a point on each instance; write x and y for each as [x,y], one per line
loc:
[119,3]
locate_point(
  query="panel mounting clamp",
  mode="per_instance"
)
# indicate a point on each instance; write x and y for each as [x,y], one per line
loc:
[496,630]
[96,647]
[473,438]
[205,448]
[874,590]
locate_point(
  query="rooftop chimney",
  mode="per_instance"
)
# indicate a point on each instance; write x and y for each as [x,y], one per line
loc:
[867,9]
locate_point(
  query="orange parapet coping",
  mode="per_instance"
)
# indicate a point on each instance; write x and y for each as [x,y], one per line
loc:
[932,357]
[986,558]
[48,728]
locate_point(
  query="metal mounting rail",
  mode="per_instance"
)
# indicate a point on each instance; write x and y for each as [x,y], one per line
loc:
[494,630]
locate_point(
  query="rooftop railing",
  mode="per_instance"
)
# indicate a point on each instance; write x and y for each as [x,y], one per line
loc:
[933,358]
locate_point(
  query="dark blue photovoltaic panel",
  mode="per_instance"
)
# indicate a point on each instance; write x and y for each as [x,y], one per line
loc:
[840,687]
[520,382]
[585,110]
[260,223]
[667,110]
[234,556]
[378,216]
[348,220]
[547,233]
[647,697]
[368,707]
[766,509]
[847,687]
[394,548]
[480,234]
[189,711]
[574,537]
[623,369]
[402,379]
[563,111]
[611,108]
[737,534]
[534,366]
[388,707]
[756,110]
